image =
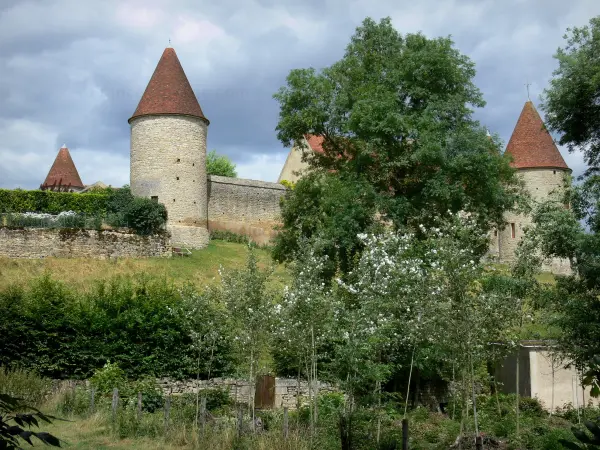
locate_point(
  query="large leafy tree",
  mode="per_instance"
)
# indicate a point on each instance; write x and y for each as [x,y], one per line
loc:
[220,165]
[572,106]
[572,101]
[395,115]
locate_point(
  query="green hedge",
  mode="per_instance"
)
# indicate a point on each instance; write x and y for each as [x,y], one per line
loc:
[20,201]
[139,323]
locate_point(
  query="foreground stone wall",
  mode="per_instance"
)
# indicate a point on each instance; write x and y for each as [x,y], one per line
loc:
[246,207]
[241,391]
[74,243]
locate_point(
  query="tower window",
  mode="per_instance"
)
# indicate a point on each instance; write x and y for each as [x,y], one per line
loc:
[193,164]
[178,160]
[512,230]
[154,198]
[495,233]
[177,178]
[173,200]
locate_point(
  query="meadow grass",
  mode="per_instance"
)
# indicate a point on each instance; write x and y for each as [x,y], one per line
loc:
[200,268]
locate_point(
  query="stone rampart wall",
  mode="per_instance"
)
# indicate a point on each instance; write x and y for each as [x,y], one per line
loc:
[241,391]
[246,207]
[76,243]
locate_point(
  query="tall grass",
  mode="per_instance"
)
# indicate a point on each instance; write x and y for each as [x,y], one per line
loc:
[24,384]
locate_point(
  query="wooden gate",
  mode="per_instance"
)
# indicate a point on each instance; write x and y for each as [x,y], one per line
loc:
[264,395]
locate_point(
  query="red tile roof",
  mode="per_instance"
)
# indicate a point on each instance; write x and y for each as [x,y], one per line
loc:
[169,91]
[530,145]
[63,172]
[315,142]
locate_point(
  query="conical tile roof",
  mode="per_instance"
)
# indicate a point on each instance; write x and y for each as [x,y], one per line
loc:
[169,91]
[63,172]
[530,145]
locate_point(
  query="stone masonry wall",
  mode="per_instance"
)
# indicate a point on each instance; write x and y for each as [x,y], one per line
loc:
[542,184]
[246,207]
[168,161]
[71,243]
[286,389]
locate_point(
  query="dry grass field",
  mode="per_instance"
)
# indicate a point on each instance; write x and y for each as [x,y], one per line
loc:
[200,268]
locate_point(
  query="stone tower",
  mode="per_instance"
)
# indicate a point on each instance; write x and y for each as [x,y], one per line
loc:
[168,151]
[543,170]
[63,175]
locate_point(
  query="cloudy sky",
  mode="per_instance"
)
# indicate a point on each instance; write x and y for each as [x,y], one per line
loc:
[73,71]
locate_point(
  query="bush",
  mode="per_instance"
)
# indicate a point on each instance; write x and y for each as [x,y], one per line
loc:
[146,216]
[109,377]
[134,322]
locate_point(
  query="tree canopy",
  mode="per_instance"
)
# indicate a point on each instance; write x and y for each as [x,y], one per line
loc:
[219,165]
[395,115]
[572,101]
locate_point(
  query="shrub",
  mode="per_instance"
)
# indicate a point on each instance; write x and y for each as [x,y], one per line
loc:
[107,378]
[146,216]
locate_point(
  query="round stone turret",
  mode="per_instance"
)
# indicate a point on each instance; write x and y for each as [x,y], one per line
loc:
[543,171]
[168,152]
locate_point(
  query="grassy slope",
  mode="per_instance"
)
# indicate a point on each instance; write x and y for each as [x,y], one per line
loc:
[200,268]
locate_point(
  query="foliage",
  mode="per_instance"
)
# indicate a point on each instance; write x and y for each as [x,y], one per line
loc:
[107,378]
[250,303]
[137,323]
[24,384]
[219,165]
[587,442]
[20,201]
[115,207]
[330,211]
[571,100]
[288,184]
[146,216]
[395,115]
[16,425]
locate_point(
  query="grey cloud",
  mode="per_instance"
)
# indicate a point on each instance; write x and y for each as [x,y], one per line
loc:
[74,71]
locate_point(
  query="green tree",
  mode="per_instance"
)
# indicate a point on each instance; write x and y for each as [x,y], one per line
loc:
[219,165]
[395,114]
[571,101]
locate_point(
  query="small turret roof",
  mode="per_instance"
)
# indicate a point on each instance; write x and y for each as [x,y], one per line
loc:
[530,145]
[63,172]
[169,91]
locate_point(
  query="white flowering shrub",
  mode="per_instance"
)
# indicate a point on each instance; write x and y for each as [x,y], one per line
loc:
[425,289]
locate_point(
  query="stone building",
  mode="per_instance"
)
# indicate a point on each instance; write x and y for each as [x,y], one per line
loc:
[63,175]
[168,164]
[543,171]
[168,151]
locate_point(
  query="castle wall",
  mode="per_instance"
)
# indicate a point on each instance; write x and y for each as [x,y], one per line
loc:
[168,162]
[72,243]
[246,207]
[542,185]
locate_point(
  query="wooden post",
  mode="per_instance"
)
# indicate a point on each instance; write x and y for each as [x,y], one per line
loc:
[115,403]
[92,402]
[285,422]
[203,412]
[167,411]
[479,443]
[240,423]
[404,434]
[139,407]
